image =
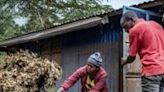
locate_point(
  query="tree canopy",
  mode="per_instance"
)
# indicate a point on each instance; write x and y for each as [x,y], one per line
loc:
[43,13]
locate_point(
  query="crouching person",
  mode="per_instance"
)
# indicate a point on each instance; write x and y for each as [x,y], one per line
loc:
[93,77]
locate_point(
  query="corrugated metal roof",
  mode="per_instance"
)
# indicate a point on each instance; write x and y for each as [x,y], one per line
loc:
[109,13]
[87,23]
[100,14]
[106,12]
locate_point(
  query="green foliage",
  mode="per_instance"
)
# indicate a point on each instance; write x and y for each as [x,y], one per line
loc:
[44,13]
[6,23]
[2,56]
[81,8]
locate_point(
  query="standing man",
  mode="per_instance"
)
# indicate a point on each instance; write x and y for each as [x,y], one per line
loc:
[93,76]
[147,39]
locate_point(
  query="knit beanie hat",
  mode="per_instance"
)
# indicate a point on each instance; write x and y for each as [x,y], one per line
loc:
[95,59]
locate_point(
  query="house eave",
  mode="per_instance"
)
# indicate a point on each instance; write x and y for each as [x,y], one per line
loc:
[78,25]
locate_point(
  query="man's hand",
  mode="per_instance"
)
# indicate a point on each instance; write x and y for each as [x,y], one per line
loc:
[61,89]
[123,61]
[127,60]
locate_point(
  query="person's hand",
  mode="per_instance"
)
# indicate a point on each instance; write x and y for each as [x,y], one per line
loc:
[61,89]
[123,61]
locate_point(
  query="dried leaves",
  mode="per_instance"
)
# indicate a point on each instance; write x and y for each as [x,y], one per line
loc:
[25,72]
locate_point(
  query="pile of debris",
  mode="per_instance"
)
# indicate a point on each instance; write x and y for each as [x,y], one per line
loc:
[24,71]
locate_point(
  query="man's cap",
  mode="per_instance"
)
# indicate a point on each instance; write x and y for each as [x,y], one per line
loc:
[95,59]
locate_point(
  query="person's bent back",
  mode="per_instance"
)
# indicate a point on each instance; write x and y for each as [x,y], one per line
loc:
[93,77]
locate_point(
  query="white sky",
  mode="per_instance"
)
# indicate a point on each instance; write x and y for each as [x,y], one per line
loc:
[21,21]
[119,3]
